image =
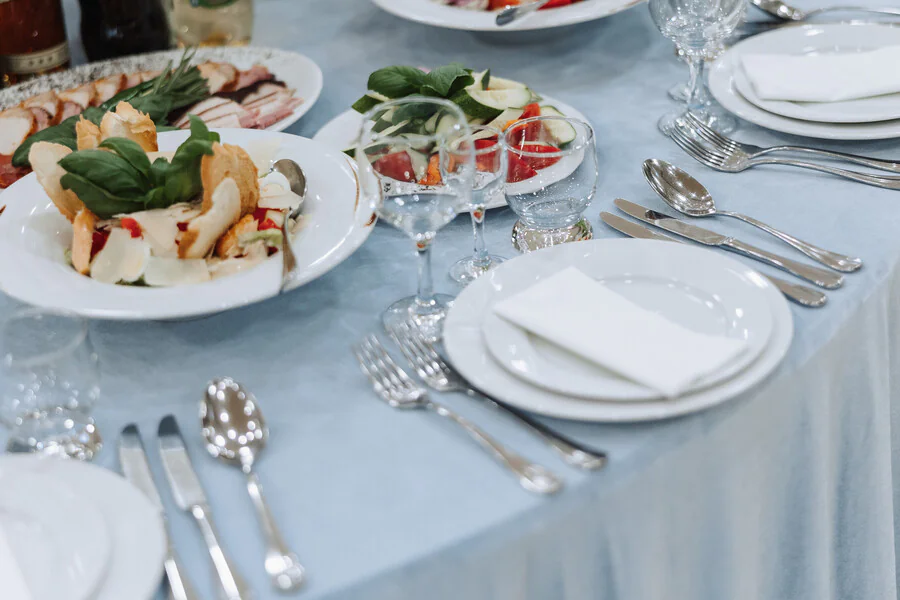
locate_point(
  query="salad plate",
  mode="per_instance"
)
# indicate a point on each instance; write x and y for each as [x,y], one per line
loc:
[36,264]
[438,14]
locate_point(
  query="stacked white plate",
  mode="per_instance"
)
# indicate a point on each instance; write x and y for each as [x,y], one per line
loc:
[865,119]
[75,531]
[693,287]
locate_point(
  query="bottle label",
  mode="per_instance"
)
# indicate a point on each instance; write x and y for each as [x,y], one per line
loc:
[211,3]
[35,62]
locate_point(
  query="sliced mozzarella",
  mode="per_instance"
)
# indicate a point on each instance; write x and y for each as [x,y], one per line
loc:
[160,227]
[276,216]
[263,153]
[230,266]
[123,258]
[275,193]
[204,231]
[164,272]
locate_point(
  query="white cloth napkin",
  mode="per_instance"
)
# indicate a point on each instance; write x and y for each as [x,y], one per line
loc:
[824,77]
[586,318]
[12,581]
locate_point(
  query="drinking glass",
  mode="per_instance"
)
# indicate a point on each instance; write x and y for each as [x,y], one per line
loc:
[49,382]
[490,175]
[416,168]
[698,28]
[550,185]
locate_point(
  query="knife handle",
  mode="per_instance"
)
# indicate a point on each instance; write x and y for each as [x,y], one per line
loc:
[820,277]
[802,295]
[179,586]
[232,585]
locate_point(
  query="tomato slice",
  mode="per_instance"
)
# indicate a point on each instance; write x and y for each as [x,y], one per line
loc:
[397,166]
[556,4]
[519,170]
[267,224]
[487,161]
[537,162]
[433,173]
[98,241]
[132,226]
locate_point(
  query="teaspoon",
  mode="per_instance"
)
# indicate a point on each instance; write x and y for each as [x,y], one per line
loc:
[688,196]
[297,180]
[235,431]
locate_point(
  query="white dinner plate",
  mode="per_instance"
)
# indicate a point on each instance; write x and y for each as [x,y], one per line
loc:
[136,527]
[726,71]
[34,237]
[451,17]
[60,540]
[297,71]
[340,133]
[719,302]
[466,348]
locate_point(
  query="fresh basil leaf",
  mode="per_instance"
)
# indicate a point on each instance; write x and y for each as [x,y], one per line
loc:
[99,200]
[158,171]
[156,198]
[199,130]
[183,175]
[365,104]
[413,111]
[133,154]
[444,81]
[107,170]
[396,82]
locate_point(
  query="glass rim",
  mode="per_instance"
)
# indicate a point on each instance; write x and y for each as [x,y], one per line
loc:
[68,347]
[368,118]
[560,152]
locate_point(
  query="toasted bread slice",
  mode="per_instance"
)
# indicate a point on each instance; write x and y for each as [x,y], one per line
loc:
[228,161]
[44,158]
[83,240]
[127,122]
[228,245]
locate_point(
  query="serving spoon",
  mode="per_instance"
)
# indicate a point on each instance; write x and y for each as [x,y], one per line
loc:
[786,12]
[688,196]
[235,432]
[511,13]
[297,180]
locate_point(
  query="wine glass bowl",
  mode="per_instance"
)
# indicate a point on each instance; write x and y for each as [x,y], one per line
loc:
[550,185]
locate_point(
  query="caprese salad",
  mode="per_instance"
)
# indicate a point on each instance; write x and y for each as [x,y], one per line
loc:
[489,5]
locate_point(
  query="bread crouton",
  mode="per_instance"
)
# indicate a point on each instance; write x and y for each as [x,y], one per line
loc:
[127,122]
[204,231]
[44,158]
[228,161]
[228,245]
[88,134]
[83,240]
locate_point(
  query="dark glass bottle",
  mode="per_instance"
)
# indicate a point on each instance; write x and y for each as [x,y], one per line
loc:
[111,28]
[32,39]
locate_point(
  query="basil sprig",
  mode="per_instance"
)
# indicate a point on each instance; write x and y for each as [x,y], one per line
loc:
[401,81]
[119,178]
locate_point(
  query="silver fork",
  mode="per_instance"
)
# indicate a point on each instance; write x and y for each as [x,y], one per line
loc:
[396,388]
[735,161]
[440,376]
[726,144]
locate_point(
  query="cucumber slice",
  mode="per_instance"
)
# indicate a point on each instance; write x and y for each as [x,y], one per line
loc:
[419,162]
[498,83]
[488,104]
[368,102]
[431,124]
[562,132]
[510,114]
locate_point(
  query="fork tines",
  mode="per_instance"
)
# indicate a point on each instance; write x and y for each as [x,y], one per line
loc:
[421,355]
[709,134]
[711,157]
[381,369]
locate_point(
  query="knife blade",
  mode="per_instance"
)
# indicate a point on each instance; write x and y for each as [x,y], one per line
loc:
[820,277]
[133,459]
[802,295]
[188,494]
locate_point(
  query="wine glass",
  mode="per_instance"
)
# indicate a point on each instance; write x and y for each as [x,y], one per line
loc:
[698,28]
[49,382]
[490,175]
[416,167]
[550,182]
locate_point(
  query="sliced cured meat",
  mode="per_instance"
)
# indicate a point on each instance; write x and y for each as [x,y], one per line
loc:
[218,76]
[148,75]
[131,80]
[214,109]
[48,101]
[16,124]
[69,109]
[8,173]
[106,88]
[265,92]
[252,76]
[42,119]
[200,108]
[231,121]
[276,110]
[82,95]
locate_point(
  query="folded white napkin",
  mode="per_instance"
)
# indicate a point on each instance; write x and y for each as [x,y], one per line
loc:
[586,318]
[12,581]
[824,77]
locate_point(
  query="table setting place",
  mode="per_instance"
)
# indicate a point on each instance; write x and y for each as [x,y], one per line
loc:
[177,199]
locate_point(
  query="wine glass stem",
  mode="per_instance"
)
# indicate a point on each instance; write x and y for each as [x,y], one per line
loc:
[696,98]
[480,258]
[425,294]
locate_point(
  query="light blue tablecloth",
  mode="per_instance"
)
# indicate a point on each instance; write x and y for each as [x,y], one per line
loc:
[784,493]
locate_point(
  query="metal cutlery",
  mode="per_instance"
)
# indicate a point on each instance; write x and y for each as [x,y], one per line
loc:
[801,294]
[512,13]
[786,12]
[297,180]
[398,390]
[688,196]
[820,277]
[731,160]
[441,377]
[133,459]
[189,496]
[235,431]
[712,136]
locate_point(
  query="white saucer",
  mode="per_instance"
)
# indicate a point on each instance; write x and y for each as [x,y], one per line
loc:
[136,526]
[715,301]
[466,349]
[725,72]
[60,539]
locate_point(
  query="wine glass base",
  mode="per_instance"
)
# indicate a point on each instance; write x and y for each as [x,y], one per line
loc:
[64,433]
[528,239]
[712,116]
[427,318]
[678,93]
[466,270]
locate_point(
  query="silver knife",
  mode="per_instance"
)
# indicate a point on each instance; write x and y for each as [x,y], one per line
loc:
[189,496]
[133,459]
[820,277]
[801,294]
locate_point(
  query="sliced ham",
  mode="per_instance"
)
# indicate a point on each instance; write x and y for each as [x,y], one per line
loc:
[8,173]
[16,124]
[213,109]
[69,109]
[82,95]
[131,80]
[275,111]
[106,88]
[251,76]
[48,101]
[218,76]
[148,75]
[42,119]
[231,121]
[265,92]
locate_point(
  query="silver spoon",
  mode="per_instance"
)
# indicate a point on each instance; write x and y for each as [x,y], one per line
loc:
[786,12]
[297,180]
[688,196]
[511,13]
[235,431]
